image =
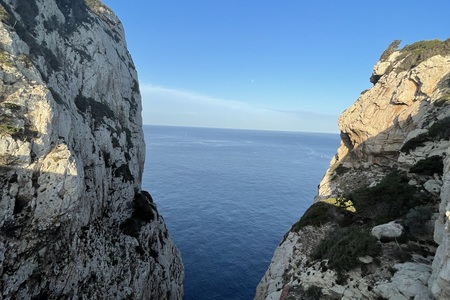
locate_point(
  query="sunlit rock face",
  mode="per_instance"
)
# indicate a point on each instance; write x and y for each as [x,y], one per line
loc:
[399,126]
[74,222]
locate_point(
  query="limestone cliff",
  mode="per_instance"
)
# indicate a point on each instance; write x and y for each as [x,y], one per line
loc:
[379,226]
[74,222]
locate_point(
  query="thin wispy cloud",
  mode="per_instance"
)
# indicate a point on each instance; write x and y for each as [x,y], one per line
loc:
[168,106]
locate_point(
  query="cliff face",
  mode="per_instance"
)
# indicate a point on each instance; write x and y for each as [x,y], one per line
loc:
[379,224]
[74,222]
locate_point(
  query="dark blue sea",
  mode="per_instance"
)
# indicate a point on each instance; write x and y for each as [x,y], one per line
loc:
[228,197]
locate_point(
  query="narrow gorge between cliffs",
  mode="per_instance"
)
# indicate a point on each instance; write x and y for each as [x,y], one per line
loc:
[96,205]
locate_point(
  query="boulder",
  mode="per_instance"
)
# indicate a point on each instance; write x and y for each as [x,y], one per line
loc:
[388,230]
[366,259]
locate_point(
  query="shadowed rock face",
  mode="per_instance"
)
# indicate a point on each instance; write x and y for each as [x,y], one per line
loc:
[73,219]
[400,125]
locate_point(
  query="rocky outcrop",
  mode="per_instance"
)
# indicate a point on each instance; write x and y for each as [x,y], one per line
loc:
[74,222]
[392,170]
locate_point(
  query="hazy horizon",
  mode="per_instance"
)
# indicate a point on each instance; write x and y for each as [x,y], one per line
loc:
[291,65]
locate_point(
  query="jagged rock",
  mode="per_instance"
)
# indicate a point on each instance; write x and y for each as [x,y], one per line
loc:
[409,282]
[433,186]
[440,279]
[292,253]
[74,222]
[389,230]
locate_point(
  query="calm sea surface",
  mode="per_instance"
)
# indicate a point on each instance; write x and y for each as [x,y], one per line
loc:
[228,197]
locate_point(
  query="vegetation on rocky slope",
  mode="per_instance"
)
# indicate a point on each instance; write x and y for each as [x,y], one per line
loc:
[392,198]
[378,225]
[357,212]
[429,166]
[412,55]
[440,130]
[144,211]
[344,245]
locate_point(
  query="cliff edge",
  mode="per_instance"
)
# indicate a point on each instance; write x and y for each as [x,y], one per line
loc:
[378,228]
[74,222]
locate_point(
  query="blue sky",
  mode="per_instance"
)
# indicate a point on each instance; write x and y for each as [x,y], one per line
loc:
[274,65]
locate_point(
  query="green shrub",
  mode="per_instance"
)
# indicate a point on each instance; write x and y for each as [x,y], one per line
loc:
[364,91]
[321,213]
[390,49]
[401,254]
[344,246]
[416,220]
[144,211]
[388,200]
[415,142]
[440,130]
[313,292]
[421,46]
[315,215]
[143,208]
[445,97]
[412,55]
[429,166]
[8,129]
[443,101]
[8,125]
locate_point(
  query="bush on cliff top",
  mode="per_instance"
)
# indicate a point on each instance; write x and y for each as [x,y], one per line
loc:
[412,55]
[416,219]
[390,49]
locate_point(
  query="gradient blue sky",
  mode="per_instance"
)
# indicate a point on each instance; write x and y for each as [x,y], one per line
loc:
[276,65]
